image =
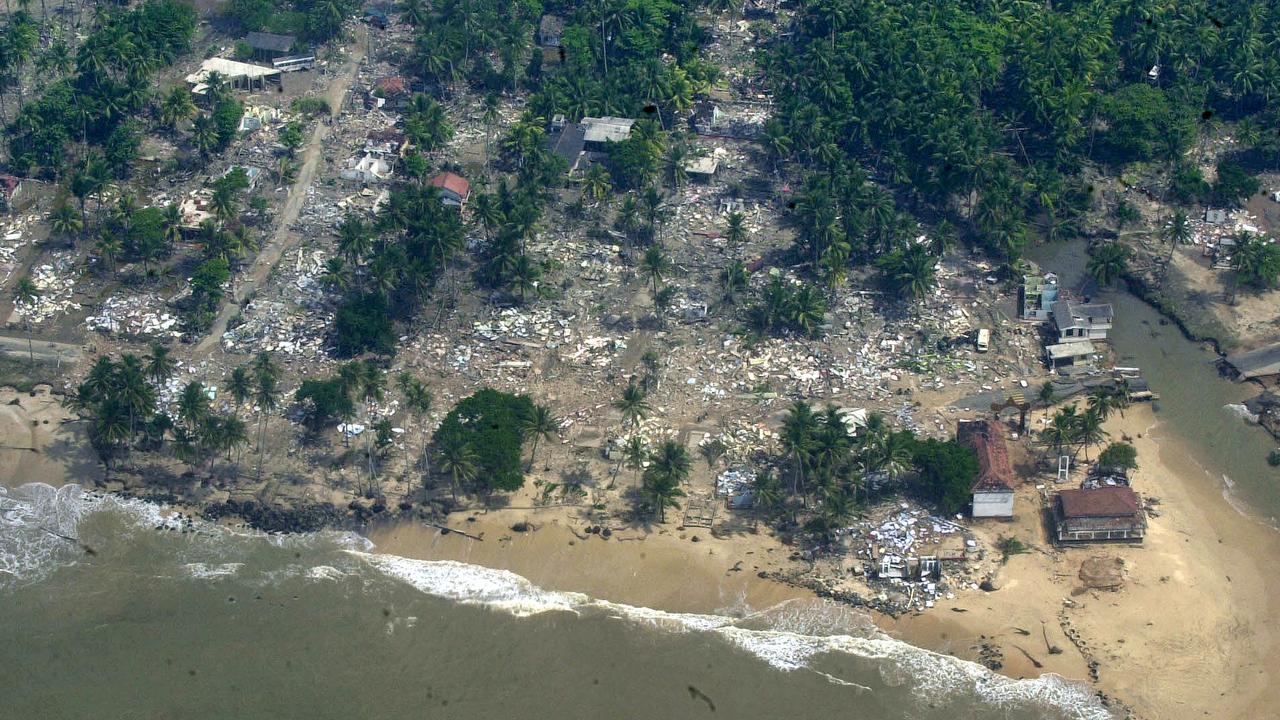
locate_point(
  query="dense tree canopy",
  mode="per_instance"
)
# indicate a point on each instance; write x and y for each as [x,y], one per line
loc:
[490,425]
[110,85]
[985,111]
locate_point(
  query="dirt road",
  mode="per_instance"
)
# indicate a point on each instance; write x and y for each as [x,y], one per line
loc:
[284,238]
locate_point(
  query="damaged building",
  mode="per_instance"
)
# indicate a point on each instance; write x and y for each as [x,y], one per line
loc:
[993,487]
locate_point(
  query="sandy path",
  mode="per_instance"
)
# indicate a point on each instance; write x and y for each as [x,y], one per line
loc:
[285,238]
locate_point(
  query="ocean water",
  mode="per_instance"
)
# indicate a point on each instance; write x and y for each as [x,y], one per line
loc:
[113,608]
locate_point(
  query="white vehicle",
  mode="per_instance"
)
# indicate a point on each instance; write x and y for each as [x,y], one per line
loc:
[984,340]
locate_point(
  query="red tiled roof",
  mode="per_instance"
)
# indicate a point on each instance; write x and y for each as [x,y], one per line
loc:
[453,183]
[987,440]
[1099,503]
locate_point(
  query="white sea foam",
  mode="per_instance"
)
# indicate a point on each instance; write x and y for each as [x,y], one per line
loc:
[39,526]
[325,572]
[930,675]
[208,571]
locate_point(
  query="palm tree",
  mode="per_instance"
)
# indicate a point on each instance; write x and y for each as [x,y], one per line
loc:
[266,377]
[635,454]
[223,202]
[335,277]
[456,459]
[797,438]
[25,294]
[240,387]
[669,467]
[193,405]
[524,276]
[1177,232]
[371,383]
[596,184]
[733,279]
[1089,430]
[355,238]
[628,218]
[204,135]
[655,265]
[540,424]
[677,173]
[915,273]
[777,142]
[176,107]
[109,247]
[160,364]
[633,404]
[64,220]
[736,231]
[417,400]
[766,495]
[1108,263]
[808,309]
[1063,429]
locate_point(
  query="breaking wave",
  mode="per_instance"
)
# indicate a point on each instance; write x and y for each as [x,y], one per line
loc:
[43,528]
[931,675]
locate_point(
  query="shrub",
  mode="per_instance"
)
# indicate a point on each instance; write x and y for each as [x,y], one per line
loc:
[946,472]
[1119,455]
[1234,184]
[363,324]
[324,402]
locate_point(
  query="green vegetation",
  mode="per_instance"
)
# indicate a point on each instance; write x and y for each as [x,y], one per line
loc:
[1120,455]
[480,442]
[119,398]
[314,20]
[946,472]
[984,113]
[110,85]
[324,402]
[1009,546]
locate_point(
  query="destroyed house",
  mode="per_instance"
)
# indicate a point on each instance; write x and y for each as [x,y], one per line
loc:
[392,90]
[993,487]
[269,46]
[598,132]
[388,141]
[1082,321]
[550,31]
[238,75]
[454,189]
[1039,293]
[1262,362]
[1104,513]
[10,186]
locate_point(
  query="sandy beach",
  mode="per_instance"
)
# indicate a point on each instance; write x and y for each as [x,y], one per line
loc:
[1195,611]
[41,441]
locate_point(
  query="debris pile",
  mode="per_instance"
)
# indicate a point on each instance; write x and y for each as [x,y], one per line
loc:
[55,281]
[138,315]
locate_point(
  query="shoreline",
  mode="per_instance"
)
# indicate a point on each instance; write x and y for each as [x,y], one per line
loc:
[1215,606]
[1203,566]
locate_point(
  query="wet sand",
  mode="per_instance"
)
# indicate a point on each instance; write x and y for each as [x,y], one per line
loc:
[661,567]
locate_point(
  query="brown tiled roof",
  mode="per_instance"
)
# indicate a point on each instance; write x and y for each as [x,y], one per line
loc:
[391,85]
[987,440]
[1098,503]
[453,183]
